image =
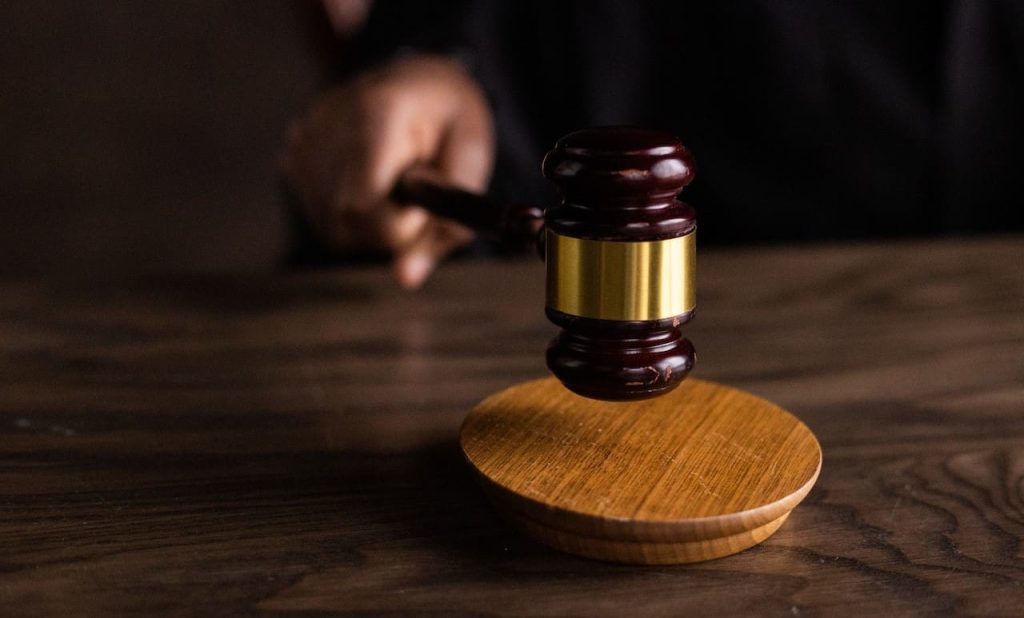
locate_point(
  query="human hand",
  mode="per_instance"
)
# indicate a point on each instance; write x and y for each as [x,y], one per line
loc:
[343,158]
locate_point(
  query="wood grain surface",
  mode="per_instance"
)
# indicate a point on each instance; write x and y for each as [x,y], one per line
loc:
[700,473]
[226,446]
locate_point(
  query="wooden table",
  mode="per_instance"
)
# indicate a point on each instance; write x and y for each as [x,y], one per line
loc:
[288,444]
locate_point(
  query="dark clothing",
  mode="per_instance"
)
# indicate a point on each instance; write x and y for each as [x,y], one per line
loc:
[809,120]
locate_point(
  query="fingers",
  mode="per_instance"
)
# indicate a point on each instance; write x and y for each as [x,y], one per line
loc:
[393,136]
[379,149]
[416,262]
[343,159]
[466,153]
[465,157]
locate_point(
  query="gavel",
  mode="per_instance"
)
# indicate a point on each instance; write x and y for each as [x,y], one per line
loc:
[620,250]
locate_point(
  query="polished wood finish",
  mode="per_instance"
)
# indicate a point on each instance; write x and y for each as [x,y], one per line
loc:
[617,184]
[614,360]
[515,226]
[703,472]
[244,446]
[620,184]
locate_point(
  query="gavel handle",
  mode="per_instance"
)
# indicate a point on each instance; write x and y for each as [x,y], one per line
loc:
[515,226]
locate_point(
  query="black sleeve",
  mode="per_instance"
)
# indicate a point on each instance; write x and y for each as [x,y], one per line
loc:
[397,26]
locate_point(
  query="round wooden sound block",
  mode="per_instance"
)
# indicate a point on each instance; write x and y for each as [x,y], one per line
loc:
[702,472]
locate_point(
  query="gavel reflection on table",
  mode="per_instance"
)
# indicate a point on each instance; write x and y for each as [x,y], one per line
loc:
[619,464]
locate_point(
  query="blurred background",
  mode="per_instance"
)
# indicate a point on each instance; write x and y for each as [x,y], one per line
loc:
[143,136]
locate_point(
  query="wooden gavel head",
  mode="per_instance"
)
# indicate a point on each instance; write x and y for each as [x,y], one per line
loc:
[620,252]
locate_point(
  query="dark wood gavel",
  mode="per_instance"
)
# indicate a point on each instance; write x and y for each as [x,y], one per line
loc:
[620,252]
[515,226]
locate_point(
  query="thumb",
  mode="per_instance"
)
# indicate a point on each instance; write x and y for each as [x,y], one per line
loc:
[414,264]
[465,157]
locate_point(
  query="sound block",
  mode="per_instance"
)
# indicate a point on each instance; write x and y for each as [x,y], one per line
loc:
[702,472]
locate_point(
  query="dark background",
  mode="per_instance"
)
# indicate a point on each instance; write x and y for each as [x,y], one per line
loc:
[142,136]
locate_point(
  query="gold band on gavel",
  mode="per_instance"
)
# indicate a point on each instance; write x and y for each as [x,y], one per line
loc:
[621,280]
